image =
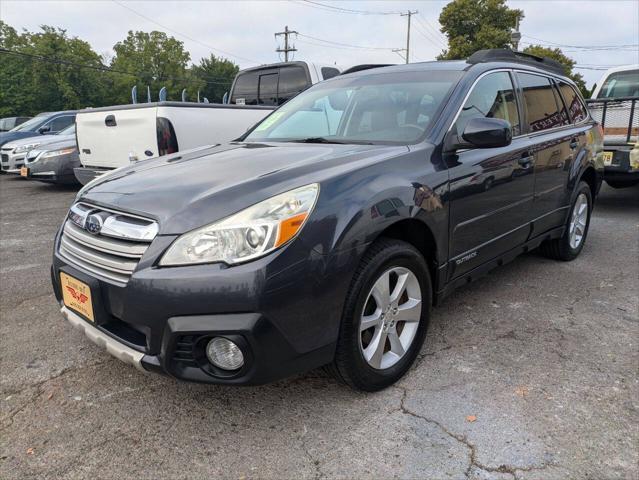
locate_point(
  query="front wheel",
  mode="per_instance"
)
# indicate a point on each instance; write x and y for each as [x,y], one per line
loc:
[385,317]
[570,244]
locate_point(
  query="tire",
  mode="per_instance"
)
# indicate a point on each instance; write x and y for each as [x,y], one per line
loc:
[565,248]
[621,184]
[386,262]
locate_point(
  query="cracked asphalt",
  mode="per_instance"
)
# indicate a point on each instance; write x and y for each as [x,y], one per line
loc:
[530,373]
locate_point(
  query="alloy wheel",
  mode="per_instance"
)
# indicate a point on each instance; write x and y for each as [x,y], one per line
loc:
[390,318]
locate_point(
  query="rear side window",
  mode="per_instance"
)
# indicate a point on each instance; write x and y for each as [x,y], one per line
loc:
[267,94]
[575,105]
[167,140]
[293,80]
[329,72]
[245,89]
[61,123]
[541,103]
[493,97]
[621,84]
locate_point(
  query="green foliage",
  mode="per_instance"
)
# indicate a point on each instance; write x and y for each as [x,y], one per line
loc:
[218,73]
[568,63]
[155,60]
[472,25]
[30,85]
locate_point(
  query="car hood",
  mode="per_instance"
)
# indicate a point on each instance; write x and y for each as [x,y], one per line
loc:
[6,137]
[191,189]
[60,141]
[25,138]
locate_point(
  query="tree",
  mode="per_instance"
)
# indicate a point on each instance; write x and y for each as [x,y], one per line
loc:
[155,60]
[568,63]
[218,75]
[42,76]
[472,25]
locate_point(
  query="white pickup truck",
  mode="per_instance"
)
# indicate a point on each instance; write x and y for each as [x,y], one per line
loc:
[112,137]
[615,105]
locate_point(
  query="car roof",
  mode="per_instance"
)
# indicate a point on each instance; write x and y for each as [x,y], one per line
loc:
[456,65]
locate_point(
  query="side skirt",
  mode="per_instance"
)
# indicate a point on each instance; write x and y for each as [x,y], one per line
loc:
[498,261]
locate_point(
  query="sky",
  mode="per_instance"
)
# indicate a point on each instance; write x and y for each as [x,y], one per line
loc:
[591,32]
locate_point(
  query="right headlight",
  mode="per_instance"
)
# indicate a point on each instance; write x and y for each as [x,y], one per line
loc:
[248,234]
[25,148]
[59,153]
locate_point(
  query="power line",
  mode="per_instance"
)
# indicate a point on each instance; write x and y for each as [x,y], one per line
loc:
[342,44]
[327,7]
[436,42]
[436,32]
[102,68]
[183,34]
[585,47]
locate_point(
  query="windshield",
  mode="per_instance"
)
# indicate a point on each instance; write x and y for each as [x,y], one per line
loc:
[70,130]
[30,125]
[621,84]
[385,108]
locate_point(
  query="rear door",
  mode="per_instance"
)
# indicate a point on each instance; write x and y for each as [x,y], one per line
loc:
[554,142]
[491,189]
[110,138]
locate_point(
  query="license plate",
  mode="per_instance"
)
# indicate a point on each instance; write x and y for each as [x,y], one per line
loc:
[607,157]
[77,295]
[24,172]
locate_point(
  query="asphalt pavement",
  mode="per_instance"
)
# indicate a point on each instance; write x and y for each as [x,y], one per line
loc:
[529,373]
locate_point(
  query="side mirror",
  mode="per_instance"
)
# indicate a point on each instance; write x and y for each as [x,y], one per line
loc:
[45,129]
[484,132]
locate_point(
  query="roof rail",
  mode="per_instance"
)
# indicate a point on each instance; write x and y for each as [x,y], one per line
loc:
[508,55]
[365,66]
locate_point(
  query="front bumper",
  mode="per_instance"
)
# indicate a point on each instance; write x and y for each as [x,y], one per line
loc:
[11,162]
[283,314]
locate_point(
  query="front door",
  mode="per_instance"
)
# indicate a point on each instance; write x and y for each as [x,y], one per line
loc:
[491,189]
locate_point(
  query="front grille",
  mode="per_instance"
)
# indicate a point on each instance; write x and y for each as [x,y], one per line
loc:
[114,252]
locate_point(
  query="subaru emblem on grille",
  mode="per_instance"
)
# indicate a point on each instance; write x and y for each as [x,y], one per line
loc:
[93,224]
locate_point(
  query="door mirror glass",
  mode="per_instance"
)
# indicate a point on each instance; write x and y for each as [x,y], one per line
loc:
[485,132]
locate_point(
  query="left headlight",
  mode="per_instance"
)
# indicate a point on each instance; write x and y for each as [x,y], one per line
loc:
[248,234]
[58,153]
[25,148]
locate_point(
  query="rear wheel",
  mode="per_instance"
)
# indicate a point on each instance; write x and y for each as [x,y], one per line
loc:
[570,244]
[385,317]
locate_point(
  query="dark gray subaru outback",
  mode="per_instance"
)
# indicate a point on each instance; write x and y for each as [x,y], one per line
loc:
[323,236]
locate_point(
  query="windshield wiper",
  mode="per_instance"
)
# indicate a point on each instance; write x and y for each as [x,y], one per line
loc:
[316,140]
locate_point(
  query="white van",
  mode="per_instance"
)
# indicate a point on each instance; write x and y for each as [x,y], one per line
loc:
[112,137]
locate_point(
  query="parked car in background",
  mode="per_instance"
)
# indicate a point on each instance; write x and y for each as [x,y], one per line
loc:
[113,137]
[53,162]
[13,154]
[615,105]
[9,123]
[42,124]
[323,235]
[277,83]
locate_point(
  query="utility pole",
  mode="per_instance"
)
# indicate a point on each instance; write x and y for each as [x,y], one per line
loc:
[407,49]
[515,36]
[287,46]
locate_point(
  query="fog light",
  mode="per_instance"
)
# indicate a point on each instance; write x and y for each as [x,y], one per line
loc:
[224,354]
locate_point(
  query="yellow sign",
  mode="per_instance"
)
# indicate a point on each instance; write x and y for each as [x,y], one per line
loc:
[76,295]
[608,158]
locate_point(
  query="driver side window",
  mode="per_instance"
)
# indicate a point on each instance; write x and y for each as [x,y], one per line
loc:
[493,96]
